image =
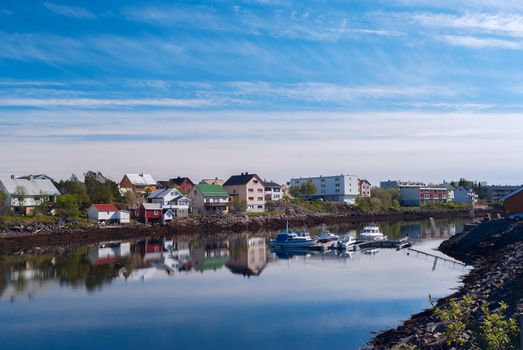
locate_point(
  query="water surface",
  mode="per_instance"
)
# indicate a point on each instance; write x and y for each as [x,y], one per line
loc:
[218,293]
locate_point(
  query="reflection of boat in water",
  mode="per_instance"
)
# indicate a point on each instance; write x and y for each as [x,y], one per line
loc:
[370,251]
[326,236]
[289,239]
[372,233]
[290,253]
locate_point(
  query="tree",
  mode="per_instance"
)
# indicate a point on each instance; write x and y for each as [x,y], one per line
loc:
[3,203]
[294,191]
[20,194]
[307,189]
[130,199]
[67,206]
[100,188]
[77,189]
[239,206]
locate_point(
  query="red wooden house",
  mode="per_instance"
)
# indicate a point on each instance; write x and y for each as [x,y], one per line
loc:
[150,212]
[183,183]
[513,203]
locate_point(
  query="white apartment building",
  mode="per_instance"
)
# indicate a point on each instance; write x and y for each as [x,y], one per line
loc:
[339,188]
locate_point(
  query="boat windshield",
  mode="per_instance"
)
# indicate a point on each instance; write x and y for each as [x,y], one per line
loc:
[282,237]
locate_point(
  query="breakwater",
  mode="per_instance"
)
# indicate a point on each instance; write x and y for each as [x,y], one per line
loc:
[495,250]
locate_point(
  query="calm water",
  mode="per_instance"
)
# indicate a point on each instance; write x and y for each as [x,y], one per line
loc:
[227,293]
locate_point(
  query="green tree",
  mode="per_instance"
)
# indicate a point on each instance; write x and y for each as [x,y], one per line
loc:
[100,188]
[67,206]
[498,332]
[4,206]
[77,189]
[19,195]
[307,189]
[239,205]
[294,191]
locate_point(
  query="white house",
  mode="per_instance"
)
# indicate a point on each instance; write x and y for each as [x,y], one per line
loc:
[26,194]
[171,199]
[465,195]
[108,213]
[273,191]
[341,188]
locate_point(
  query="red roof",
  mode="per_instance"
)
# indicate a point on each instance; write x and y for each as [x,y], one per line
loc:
[106,207]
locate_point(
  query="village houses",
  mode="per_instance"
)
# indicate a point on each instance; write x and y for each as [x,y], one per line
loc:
[246,188]
[209,199]
[25,194]
[138,183]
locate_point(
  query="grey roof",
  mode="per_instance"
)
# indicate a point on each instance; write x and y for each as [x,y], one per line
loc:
[152,206]
[270,184]
[162,193]
[141,179]
[34,187]
[242,179]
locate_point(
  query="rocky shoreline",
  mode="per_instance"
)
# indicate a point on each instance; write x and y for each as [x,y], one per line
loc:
[495,250]
[21,237]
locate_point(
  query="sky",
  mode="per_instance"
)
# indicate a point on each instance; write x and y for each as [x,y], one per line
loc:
[392,89]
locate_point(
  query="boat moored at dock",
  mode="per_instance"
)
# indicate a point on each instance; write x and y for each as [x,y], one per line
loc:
[372,233]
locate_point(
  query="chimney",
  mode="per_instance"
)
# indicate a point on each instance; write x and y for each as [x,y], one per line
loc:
[141,174]
[12,177]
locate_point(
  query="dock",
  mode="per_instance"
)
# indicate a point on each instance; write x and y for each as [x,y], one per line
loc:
[445,261]
[385,243]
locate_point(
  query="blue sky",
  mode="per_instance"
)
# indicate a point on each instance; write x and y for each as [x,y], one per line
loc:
[381,89]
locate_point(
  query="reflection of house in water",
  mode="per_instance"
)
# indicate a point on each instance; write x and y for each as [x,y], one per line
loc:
[210,256]
[248,256]
[421,231]
[108,253]
[153,259]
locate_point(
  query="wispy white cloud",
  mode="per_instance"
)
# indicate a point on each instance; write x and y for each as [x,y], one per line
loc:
[480,43]
[70,11]
[502,23]
[101,103]
[284,23]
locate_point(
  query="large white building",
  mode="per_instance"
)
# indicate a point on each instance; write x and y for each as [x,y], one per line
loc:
[26,194]
[340,188]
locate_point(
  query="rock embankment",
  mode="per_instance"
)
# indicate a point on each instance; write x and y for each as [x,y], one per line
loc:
[495,249]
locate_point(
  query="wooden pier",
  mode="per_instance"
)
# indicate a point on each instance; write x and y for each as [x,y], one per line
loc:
[445,261]
[386,243]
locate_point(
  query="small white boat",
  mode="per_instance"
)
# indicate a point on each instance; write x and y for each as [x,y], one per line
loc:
[372,233]
[345,242]
[289,239]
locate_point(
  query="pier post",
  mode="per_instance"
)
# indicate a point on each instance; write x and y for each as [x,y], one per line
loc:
[435,262]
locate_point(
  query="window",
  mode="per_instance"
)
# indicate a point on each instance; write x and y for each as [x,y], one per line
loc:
[251,190]
[337,185]
[251,198]
[260,189]
[426,196]
[255,181]
[260,206]
[435,196]
[322,180]
[155,212]
[260,198]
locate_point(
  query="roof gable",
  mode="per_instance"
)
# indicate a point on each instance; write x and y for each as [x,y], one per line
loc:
[242,179]
[212,190]
[511,194]
[105,207]
[33,187]
[141,179]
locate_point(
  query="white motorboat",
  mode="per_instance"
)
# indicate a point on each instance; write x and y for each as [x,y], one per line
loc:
[372,233]
[289,239]
[345,242]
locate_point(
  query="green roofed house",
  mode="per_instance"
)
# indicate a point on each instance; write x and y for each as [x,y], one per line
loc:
[209,199]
